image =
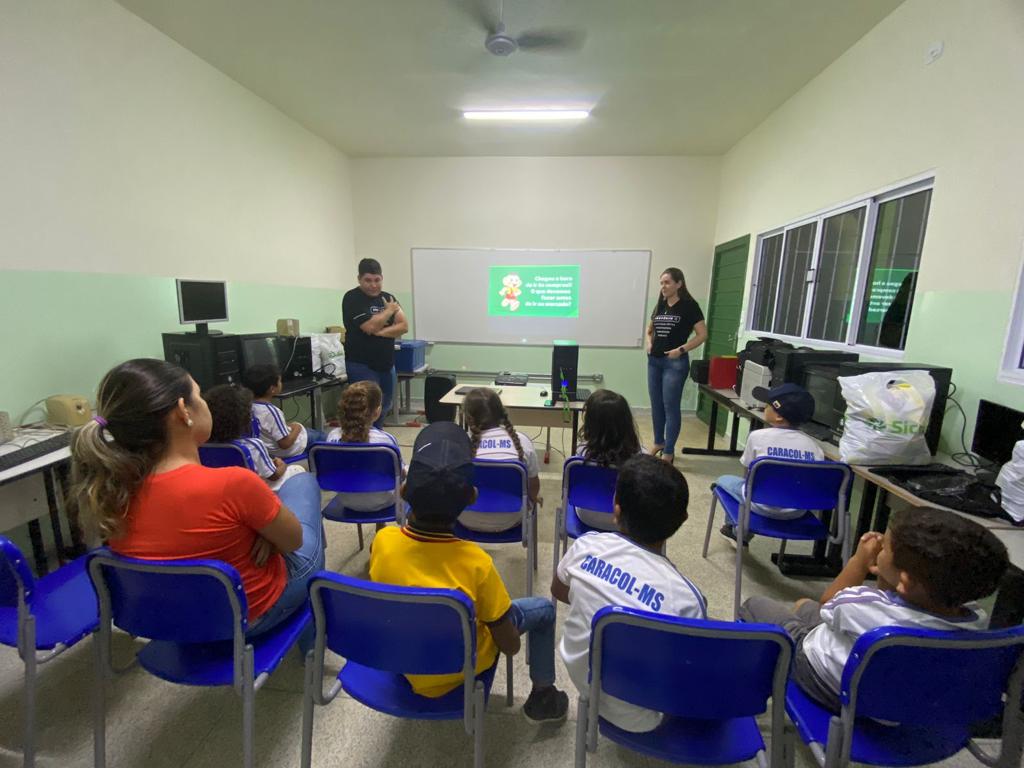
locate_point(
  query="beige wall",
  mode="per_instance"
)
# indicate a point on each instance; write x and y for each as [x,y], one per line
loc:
[122,152]
[880,114]
[662,204]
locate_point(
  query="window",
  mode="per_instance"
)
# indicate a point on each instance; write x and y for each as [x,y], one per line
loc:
[846,276]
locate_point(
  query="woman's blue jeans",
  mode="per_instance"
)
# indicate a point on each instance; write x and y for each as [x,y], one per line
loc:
[301,495]
[665,379]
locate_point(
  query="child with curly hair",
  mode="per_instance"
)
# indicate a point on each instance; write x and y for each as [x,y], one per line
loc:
[493,437]
[358,409]
[231,409]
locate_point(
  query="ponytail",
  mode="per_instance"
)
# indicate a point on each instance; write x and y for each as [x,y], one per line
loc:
[358,403]
[112,455]
[484,410]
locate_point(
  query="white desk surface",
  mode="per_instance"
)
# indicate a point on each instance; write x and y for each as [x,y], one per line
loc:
[23,437]
[527,397]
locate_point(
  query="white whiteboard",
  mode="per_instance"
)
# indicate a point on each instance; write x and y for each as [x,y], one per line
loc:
[454,298]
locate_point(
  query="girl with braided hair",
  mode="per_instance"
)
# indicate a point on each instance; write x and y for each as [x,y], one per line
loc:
[493,437]
[358,408]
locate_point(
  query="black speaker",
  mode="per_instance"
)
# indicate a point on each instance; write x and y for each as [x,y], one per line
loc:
[565,359]
[435,387]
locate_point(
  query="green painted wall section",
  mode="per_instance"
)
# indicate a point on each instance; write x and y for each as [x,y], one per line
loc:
[63,330]
[625,370]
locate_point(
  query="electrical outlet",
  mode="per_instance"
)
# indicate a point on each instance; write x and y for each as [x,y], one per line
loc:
[6,428]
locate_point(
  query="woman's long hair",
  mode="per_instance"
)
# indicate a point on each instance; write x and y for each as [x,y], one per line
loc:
[609,429]
[484,410]
[358,403]
[132,403]
[677,277]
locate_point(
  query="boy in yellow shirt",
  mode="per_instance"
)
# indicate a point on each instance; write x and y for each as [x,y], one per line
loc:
[425,553]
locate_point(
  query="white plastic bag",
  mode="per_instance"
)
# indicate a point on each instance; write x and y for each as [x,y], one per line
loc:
[328,353]
[887,414]
[1011,483]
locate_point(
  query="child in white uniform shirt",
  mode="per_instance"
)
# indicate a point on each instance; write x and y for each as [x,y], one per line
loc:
[493,437]
[931,566]
[608,437]
[358,408]
[625,568]
[786,408]
[231,410]
[280,437]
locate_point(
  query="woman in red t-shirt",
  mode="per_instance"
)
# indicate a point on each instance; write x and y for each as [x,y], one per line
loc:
[146,493]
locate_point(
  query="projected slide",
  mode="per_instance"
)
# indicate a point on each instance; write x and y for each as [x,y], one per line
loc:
[534,290]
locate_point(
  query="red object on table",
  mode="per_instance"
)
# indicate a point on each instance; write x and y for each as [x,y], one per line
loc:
[722,373]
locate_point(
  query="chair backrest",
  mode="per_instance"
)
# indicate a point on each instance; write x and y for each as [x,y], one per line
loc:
[920,676]
[225,455]
[687,667]
[15,575]
[356,467]
[184,601]
[588,485]
[501,485]
[798,484]
[410,630]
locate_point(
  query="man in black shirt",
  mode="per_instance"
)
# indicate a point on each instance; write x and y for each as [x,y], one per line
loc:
[373,320]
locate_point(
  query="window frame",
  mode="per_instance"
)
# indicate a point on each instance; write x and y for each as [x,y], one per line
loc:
[871,202]
[1011,370]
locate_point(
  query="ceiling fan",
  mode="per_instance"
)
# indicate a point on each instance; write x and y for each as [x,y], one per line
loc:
[500,43]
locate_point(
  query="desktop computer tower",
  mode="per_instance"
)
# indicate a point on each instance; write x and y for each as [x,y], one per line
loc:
[788,364]
[211,360]
[565,358]
[942,377]
[435,387]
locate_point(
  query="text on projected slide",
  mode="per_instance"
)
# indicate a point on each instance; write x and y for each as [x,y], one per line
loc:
[534,290]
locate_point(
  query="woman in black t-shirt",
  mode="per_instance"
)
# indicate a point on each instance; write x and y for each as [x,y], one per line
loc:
[675,319]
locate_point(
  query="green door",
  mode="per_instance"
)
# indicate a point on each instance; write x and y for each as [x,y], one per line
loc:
[725,304]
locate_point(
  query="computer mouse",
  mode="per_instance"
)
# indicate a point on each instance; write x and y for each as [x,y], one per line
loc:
[543,393]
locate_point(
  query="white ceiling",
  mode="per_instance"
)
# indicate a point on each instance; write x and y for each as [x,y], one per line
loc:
[389,77]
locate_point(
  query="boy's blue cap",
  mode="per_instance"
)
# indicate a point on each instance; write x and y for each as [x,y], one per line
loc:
[791,401]
[441,469]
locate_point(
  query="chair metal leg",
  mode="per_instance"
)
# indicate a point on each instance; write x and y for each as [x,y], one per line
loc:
[307,713]
[99,714]
[536,541]
[508,681]
[834,747]
[359,530]
[711,519]
[28,651]
[531,558]
[581,732]
[789,746]
[478,726]
[740,534]
[556,544]
[248,708]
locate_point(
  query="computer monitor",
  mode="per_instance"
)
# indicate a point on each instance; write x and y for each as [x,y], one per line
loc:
[821,382]
[996,430]
[293,355]
[201,302]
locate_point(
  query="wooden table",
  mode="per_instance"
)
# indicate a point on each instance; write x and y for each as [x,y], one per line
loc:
[525,406]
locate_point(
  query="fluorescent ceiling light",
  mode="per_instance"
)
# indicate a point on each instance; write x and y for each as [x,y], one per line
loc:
[527,115]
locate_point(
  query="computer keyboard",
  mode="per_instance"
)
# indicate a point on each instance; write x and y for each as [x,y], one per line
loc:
[511,380]
[14,458]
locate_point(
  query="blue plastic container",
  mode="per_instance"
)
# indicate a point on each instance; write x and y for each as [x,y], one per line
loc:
[410,356]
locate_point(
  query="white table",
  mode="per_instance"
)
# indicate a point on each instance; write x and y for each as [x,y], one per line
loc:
[28,492]
[525,406]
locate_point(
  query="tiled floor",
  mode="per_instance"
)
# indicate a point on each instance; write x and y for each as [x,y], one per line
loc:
[155,724]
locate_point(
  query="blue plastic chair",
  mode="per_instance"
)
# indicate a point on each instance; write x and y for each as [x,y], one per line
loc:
[710,679]
[193,612]
[586,485]
[358,468]
[811,485]
[502,487]
[225,455]
[299,457]
[42,619]
[384,632]
[911,696]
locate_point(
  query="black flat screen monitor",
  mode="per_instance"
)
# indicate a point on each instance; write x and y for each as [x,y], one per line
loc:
[292,355]
[202,302]
[820,381]
[996,431]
